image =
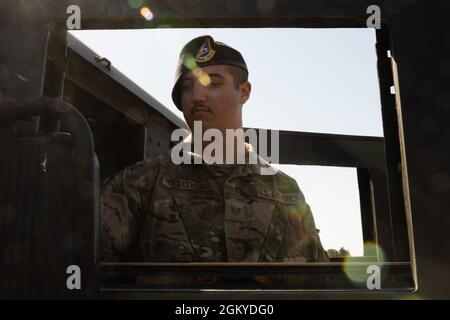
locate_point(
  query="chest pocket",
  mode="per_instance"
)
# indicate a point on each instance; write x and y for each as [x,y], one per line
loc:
[188,185]
[268,214]
[257,191]
[200,211]
[275,195]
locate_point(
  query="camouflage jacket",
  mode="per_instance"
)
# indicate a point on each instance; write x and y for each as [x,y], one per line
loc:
[156,211]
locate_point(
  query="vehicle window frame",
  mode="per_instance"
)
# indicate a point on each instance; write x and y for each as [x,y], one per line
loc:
[392,226]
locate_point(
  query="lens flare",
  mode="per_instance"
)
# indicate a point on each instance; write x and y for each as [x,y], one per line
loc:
[189,62]
[146,13]
[202,77]
[357,271]
[205,80]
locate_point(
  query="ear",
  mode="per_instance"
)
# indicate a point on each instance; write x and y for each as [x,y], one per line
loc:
[244,91]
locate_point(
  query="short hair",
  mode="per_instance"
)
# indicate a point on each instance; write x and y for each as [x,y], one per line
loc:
[239,75]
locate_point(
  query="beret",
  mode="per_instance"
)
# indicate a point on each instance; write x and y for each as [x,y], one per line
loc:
[201,52]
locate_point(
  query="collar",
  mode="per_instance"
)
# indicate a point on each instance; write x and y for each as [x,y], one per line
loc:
[258,166]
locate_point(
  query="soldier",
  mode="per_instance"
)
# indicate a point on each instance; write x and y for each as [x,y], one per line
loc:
[158,211]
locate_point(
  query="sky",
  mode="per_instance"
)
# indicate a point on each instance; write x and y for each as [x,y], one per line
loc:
[309,80]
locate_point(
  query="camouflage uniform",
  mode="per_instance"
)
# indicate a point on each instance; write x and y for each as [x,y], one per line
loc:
[156,211]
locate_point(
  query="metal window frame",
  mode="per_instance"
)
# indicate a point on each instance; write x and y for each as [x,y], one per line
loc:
[393,223]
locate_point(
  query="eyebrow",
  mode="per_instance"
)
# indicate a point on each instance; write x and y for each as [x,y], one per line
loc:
[217,75]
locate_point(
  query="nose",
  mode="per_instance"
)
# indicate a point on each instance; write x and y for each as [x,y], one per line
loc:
[199,92]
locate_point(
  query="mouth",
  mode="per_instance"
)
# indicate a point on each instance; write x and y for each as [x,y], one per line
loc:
[200,110]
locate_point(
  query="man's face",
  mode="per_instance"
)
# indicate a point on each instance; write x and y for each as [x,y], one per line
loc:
[216,102]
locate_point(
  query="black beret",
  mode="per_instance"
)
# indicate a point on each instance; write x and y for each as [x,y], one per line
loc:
[201,52]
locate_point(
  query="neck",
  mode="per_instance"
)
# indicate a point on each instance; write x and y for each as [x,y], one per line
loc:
[230,148]
[224,146]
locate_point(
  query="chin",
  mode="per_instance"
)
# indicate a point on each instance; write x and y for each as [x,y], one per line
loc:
[205,124]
